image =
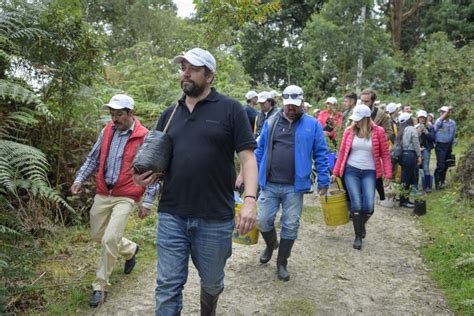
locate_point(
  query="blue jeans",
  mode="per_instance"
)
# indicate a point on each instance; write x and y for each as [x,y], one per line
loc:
[269,203]
[409,170]
[361,188]
[426,161]
[209,242]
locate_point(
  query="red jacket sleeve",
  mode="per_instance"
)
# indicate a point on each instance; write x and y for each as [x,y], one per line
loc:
[384,153]
[341,155]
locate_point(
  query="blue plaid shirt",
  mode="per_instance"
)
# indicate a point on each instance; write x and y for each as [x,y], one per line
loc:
[113,163]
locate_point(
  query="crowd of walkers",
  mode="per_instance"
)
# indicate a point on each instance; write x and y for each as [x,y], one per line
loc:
[417,143]
[279,140]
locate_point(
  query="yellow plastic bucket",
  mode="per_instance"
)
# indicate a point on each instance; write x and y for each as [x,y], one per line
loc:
[251,238]
[335,209]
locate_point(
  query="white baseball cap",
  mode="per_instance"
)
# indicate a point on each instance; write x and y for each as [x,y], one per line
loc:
[421,113]
[392,107]
[306,104]
[119,102]
[250,95]
[293,95]
[197,57]
[316,110]
[331,100]
[275,94]
[359,112]
[263,96]
[443,109]
[405,116]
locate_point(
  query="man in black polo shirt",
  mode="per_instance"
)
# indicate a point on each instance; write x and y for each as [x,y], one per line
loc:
[196,210]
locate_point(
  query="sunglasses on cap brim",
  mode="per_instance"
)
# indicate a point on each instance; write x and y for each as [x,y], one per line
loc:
[292,95]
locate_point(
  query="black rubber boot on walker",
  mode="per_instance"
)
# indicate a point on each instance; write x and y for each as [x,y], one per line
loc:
[358,222]
[284,253]
[272,243]
[366,217]
[208,303]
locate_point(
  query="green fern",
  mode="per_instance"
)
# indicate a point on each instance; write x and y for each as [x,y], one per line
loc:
[18,25]
[25,167]
[467,259]
[11,91]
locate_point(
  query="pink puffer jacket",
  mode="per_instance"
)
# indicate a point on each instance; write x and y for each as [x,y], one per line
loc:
[380,151]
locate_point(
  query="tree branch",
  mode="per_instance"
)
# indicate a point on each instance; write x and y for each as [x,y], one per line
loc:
[412,10]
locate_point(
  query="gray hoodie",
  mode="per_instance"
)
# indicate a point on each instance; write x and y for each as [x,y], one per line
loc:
[410,140]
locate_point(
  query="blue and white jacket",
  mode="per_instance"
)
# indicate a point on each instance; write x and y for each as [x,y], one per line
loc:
[310,145]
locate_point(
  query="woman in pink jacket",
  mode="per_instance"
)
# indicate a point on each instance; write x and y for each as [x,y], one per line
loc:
[363,157]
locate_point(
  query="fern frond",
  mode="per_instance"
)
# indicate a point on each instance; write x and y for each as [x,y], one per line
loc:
[23,166]
[24,118]
[13,91]
[11,228]
[16,159]
[29,33]
[17,25]
[467,259]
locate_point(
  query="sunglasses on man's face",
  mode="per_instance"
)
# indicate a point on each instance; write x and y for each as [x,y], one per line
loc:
[292,96]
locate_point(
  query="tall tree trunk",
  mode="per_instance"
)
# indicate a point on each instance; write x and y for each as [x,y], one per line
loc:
[397,23]
[397,17]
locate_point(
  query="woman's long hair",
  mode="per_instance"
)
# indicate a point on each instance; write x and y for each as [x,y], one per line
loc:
[365,129]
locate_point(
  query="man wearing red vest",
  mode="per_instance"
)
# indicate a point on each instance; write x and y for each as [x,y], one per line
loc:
[116,194]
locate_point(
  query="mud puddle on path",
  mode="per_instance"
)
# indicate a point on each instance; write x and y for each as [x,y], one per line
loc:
[328,277]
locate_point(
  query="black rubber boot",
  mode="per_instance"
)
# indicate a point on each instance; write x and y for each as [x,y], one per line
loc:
[284,253]
[208,303]
[358,222]
[366,217]
[272,243]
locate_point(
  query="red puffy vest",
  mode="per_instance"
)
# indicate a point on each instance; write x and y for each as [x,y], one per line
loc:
[124,185]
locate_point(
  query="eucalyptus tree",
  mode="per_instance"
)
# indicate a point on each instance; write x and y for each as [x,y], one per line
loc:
[332,43]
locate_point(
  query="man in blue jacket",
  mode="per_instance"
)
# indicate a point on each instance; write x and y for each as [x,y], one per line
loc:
[289,143]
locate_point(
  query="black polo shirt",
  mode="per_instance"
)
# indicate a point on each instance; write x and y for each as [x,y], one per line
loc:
[282,164]
[201,176]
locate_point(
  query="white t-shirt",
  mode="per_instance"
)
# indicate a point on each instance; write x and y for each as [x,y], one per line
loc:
[361,156]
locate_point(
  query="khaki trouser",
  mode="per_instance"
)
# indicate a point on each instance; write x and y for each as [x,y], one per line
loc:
[108,218]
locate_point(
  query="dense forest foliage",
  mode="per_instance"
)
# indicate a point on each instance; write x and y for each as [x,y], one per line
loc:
[60,60]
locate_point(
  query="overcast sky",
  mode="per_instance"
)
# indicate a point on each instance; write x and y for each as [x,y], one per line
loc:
[185,7]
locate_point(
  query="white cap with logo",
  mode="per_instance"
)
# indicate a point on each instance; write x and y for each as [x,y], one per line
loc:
[293,95]
[359,112]
[392,107]
[443,109]
[405,116]
[250,95]
[331,100]
[197,57]
[264,96]
[421,113]
[119,102]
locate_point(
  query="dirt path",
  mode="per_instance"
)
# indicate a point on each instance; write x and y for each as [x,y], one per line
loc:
[328,277]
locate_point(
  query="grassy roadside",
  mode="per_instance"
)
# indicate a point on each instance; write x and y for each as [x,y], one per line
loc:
[61,265]
[449,248]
